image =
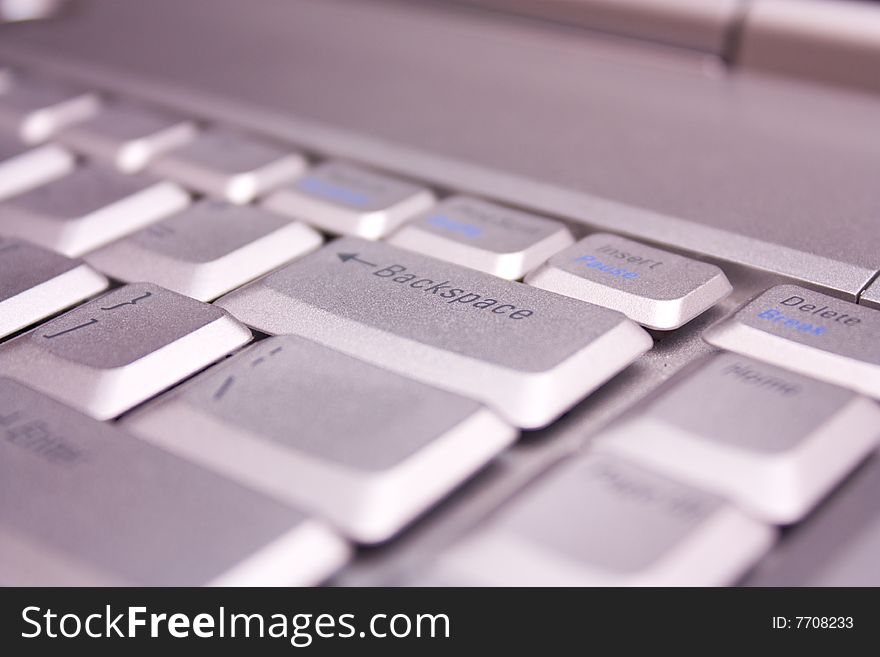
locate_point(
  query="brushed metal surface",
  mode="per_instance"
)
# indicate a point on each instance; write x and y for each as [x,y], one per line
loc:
[660,145]
[772,174]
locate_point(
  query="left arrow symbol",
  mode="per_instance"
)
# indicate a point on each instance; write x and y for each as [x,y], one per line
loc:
[345,257]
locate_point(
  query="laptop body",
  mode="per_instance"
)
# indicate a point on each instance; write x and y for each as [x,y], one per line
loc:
[668,123]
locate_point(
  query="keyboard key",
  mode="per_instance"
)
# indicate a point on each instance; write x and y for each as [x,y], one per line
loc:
[871,296]
[658,289]
[36,111]
[128,136]
[36,283]
[528,354]
[85,504]
[770,440]
[88,208]
[234,167]
[808,332]
[112,353]
[603,522]
[343,198]
[485,236]
[837,544]
[358,445]
[23,168]
[207,250]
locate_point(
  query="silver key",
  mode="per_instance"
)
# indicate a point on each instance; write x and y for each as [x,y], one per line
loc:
[112,353]
[837,545]
[128,136]
[808,332]
[343,198]
[771,440]
[89,208]
[603,522]
[85,504]
[234,167]
[36,110]
[207,250]
[656,288]
[36,283]
[871,296]
[361,446]
[528,354]
[23,168]
[485,236]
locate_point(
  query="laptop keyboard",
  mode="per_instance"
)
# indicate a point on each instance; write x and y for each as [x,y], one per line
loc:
[293,356]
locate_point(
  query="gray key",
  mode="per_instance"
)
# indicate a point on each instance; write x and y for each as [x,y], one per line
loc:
[361,446]
[110,354]
[85,504]
[89,208]
[528,354]
[771,440]
[871,296]
[343,198]
[601,522]
[128,136]
[807,332]
[231,166]
[207,250]
[485,236]
[23,168]
[36,283]
[656,288]
[36,110]
[837,544]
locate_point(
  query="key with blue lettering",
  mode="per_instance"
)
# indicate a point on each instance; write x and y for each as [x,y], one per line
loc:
[346,199]
[808,332]
[486,236]
[656,288]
